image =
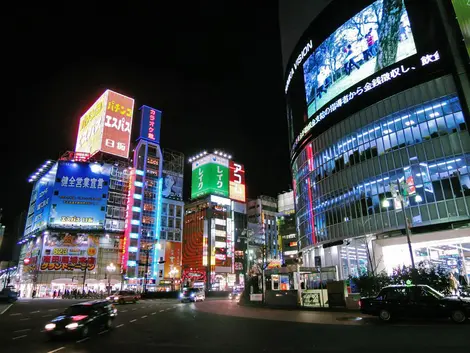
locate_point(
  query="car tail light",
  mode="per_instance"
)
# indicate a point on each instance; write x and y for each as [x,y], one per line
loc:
[360,303]
[79,317]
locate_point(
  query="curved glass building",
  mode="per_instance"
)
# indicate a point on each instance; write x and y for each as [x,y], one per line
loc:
[377,102]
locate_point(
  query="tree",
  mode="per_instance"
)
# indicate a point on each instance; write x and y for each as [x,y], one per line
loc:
[389,33]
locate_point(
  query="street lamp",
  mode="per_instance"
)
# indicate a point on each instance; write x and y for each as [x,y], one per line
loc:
[110,268]
[400,197]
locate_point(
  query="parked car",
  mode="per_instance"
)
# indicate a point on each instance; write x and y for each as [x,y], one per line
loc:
[8,295]
[81,319]
[123,297]
[192,295]
[415,301]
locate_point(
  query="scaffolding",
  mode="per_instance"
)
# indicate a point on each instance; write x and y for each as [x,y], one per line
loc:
[173,161]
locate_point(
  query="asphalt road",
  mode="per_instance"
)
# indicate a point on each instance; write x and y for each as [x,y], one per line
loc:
[222,326]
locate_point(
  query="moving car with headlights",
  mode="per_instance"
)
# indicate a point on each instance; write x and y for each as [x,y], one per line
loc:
[415,301]
[235,295]
[192,295]
[123,297]
[81,319]
[8,295]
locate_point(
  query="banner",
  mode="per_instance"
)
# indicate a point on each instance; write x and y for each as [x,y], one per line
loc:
[172,267]
[66,252]
[172,185]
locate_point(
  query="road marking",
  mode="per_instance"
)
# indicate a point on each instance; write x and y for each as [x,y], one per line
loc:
[34,312]
[53,309]
[26,318]
[80,341]
[18,337]
[162,310]
[153,313]
[119,325]
[4,311]
[104,331]
[56,350]
[134,309]
[46,315]
[123,311]
[26,329]
[134,320]
[143,317]
[15,314]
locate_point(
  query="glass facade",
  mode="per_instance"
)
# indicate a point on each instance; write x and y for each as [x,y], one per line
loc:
[416,142]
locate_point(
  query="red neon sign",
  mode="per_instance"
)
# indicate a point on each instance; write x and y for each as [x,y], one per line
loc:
[128,227]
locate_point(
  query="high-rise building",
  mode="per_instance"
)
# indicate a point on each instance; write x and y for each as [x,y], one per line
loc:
[378,111]
[287,228]
[213,256]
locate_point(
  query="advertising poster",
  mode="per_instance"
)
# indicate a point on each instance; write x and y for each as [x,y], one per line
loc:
[117,124]
[210,175]
[150,124]
[237,182]
[66,252]
[375,38]
[31,256]
[80,196]
[44,188]
[462,11]
[90,131]
[172,267]
[172,185]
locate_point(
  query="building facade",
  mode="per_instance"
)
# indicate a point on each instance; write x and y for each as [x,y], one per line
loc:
[379,138]
[287,227]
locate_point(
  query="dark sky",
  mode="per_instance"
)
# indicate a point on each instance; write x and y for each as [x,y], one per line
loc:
[212,67]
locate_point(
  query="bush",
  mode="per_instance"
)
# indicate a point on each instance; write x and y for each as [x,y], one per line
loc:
[435,277]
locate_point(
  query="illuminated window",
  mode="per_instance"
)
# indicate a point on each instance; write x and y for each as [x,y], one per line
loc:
[148,207]
[153,161]
[147,220]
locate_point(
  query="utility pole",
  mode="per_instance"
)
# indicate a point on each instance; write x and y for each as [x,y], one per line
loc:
[84,276]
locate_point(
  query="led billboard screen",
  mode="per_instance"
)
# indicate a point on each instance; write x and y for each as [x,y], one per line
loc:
[66,252]
[210,176]
[80,195]
[237,182]
[375,38]
[43,189]
[107,125]
[172,268]
[462,10]
[150,122]
[172,185]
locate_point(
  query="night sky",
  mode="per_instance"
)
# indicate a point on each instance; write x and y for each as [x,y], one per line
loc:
[213,67]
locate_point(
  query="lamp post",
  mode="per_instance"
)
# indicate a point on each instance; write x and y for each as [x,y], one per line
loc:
[400,197]
[110,268]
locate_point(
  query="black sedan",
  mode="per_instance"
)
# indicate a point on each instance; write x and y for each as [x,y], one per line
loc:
[415,301]
[80,319]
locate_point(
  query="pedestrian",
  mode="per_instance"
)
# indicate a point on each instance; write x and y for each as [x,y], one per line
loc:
[54,294]
[33,294]
[454,284]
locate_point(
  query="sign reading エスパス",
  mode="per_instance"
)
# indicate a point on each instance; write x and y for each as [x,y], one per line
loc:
[107,125]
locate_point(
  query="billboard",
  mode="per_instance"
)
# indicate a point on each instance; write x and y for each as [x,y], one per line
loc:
[125,241]
[80,195]
[66,252]
[237,182]
[107,125]
[462,10]
[43,189]
[172,268]
[210,176]
[172,185]
[375,38]
[150,122]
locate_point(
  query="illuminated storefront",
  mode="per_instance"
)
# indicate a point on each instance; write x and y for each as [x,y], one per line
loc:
[365,133]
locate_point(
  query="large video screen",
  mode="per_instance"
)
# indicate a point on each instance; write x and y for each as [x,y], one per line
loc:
[375,38]
[462,10]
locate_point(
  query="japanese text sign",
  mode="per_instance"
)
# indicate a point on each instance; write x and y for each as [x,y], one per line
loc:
[237,182]
[150,124]
[210,176]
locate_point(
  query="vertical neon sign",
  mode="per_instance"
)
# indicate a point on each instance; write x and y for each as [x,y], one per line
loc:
[157,226]
[128,226]
[309,186]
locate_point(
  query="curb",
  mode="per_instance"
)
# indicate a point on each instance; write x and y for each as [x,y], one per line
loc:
[274,307]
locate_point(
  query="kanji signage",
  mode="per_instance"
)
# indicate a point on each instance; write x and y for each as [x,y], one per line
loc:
[210,176]
[150,124]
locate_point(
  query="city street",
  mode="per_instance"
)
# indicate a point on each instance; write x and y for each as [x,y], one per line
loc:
[223,326]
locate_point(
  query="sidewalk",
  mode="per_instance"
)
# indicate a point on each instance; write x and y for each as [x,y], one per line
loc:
[231,308]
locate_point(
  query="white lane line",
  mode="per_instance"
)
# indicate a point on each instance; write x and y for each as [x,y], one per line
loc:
[56,350]
[121,325]
[104,331]
[82,340]
[34,312]
[162,310]
[53,309]
[18,337]
[134,309]
[134,320]
[123,311]
[26,318]
[16,314]
[153,313]
[4,311]
[143,317]
[23,330]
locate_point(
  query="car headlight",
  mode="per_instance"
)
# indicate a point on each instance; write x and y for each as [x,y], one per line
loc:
[181,295]
[192,295]
[72,326]
[108,298]
[49,327]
